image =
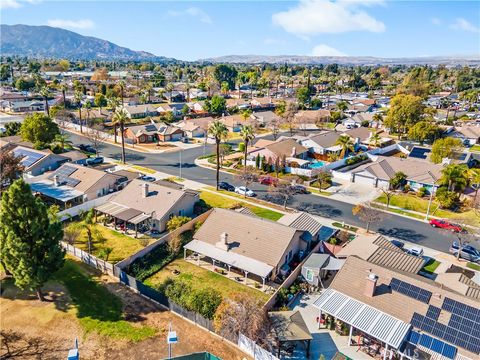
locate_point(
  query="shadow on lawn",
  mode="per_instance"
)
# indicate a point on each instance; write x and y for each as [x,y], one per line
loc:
[16,345]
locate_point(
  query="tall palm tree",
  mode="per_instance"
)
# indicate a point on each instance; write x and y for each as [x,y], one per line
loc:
[88,110]
[45,92]
[120,117]
[78,99]
[122,85]
[169,89]
[247,134]
[375,139]
[113,104]
[219,131]
[455,176]
[62,140]
[63,88]
[346,143]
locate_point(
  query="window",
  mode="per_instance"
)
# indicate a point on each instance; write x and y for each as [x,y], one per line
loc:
[309,275]
[290,255]
[180,212]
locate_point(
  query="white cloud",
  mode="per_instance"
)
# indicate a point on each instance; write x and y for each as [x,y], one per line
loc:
[325,50]
[311,17]
[193,12]
[72,24]
[436,21]
[464,25]
[10,4]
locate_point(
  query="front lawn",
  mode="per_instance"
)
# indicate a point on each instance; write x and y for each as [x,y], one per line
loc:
[219,201]
[200,278]
[475,148]
[473,266]
[122,246]
[431,265]
[414,203]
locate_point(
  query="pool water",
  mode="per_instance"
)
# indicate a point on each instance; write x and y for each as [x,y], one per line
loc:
[317,164]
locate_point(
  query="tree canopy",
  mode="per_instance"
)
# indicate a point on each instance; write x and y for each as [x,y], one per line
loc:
[405,111]
[39,129]
[225,73]
[444,148]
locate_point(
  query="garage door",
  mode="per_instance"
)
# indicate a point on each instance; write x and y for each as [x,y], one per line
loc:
[176,137]
[364,180]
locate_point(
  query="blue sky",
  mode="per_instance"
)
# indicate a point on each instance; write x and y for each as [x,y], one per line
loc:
[191,30]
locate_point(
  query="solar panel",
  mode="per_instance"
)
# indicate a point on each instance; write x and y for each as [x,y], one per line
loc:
[449,351]
[433,312]
[70,181]
[28,157]
[426,341]
[65,170]
[410,290]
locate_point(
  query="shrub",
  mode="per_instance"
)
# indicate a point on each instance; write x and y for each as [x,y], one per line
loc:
[177,221]
[356,159]
[407,188]
[241,146]
[447,199]
[422,191]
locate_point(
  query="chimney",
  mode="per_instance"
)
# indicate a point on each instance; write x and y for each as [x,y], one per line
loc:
[223,243]
[144,190]
[55,180]
[371,284]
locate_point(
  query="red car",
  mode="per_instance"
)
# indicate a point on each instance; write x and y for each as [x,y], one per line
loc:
[443,224]
[268,180]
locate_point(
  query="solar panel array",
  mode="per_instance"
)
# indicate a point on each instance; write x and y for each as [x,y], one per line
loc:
[419,153]
[433,312]
[410,290]
[28,157]
[436,345]
[64,173]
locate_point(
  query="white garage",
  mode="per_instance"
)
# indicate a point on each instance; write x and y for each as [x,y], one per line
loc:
[364,179]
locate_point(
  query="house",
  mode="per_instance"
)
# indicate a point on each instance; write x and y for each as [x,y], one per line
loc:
[305,222]
[140,134]
[75,156]
[197,107]
[141,111]
[312,116]
[233,122]
[410,316]
[286,149]
[36,162]
[257,247]
[169,133]
[22,105]
[379,172]
[469,134]
[264,118]
[317,266]
[323,144]
[192,129]
[262,103]
[149,204]
[379,250]
[241,104]
[72,184]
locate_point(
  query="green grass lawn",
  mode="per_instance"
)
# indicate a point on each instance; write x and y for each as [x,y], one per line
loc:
[414,203]
[216,200]
[201,278]
[97,309]
[345,227]
[431,265]
[473,266]
[143,169]
[475,148]
[122,245]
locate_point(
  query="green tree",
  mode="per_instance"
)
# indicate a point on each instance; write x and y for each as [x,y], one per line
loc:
[225,73]
[398,180]
[45,92]
[375,139]
[120,117]
[29,238]
[12,128]
[455,177]
[10,168]
[405,111]
[63,140]
[247,134]
[446,198]
[217,105]
[100,100]
[303,95]
[323,177]
[78,96]
[424,130]
[219,131]
[346,143]
[39,129]
[444,148]
[177,221]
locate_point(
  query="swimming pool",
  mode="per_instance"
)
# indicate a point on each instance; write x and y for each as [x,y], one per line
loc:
[316,164]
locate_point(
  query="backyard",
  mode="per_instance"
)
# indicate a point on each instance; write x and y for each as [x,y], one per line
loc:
[108,320]
[122,245]
[414,203]
[201,278]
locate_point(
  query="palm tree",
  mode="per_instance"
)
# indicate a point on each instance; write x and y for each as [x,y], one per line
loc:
[219,131]
[378,118]
[88,109]
[45,92]
[62,140]
[122,85]
[169,89]
[455,176]
[323,177]
[120,117]
[78,99]
[375,139]
[113,103]
[63,88]
[342,106]
[247,134]
[346,143]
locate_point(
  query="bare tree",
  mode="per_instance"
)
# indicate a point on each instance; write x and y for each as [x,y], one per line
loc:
[282,192]
[96,137]
[388,194]
[289,116]
[174,243]
[369,214]
[247,177]
[274,126]
[71,234]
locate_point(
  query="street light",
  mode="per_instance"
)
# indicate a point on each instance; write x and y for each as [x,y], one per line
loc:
[431,193]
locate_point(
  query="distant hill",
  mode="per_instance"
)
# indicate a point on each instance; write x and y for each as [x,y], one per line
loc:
[50,42]
[344,60]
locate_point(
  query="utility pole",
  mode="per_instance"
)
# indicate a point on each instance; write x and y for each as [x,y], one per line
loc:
[432,190]
[181,163]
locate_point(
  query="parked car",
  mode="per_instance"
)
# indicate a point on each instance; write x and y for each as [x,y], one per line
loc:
[87,148]
[444,224]
[398,243]
[226,186]
[94,161]
[468,252]
[242,190]
[299,189]
[268,180]
[147,178]
[415,251]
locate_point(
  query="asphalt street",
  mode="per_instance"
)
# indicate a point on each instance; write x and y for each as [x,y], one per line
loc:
[394,226]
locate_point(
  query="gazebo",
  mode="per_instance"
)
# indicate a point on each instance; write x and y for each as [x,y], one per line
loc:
[290,327]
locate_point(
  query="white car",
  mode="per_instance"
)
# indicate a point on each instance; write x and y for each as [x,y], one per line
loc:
[416,251]
[242,190]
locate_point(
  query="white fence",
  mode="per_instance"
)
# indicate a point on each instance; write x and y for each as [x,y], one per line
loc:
[87,205]
[88,259]
[247,345]
[85,129]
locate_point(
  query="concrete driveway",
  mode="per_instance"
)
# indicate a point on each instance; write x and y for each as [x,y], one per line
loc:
[353,193]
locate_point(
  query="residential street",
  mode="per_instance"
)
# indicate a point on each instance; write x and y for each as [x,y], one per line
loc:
[394,226]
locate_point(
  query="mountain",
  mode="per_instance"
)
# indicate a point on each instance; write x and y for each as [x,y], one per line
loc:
[50,42]
[342,60]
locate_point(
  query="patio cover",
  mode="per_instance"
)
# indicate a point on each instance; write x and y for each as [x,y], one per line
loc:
[128,214]
[111,208]
[61,193]
[289,326]
[366,318]
[334,264]
[139,218]
[228,257]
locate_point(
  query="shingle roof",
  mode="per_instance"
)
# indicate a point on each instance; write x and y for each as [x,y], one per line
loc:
[301,221]
[325,140]
[260,239]
[285,147]
[460,283]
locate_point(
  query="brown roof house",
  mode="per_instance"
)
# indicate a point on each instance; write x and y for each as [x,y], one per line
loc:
[141,111]
[149,203]
[257,247]
[286,149]
[410,316]
[36,162]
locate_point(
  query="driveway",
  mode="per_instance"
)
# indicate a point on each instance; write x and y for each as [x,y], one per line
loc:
[353,193]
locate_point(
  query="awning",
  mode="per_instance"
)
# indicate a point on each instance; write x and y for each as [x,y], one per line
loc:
[139,218]
[128,214]
[229,257]
[61,193]
[334,264]
[111,208]
[366,318]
